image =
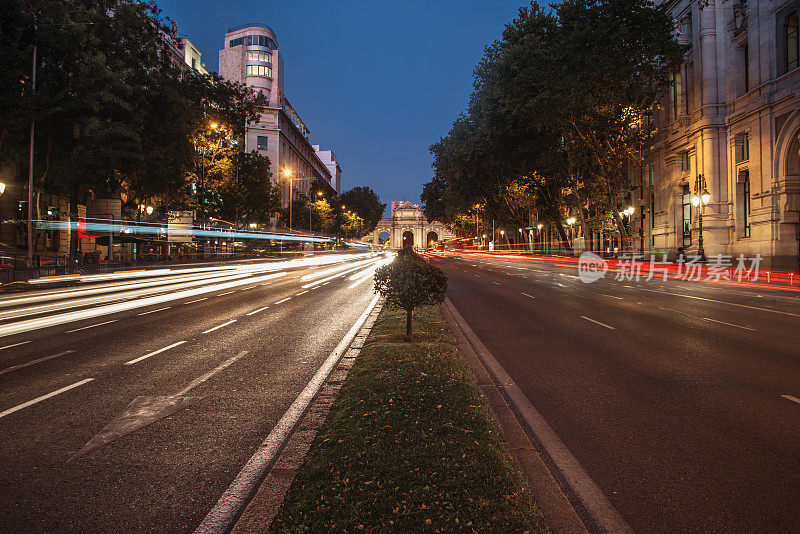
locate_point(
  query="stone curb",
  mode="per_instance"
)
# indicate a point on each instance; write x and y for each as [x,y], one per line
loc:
[559,513]
[266,502]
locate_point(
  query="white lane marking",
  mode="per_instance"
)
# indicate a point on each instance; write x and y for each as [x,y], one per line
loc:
[301,293]
[722,302]
[196,300]
[44,397]
[226,293]
[529,296]
[258,310]
[15,345]
[91,326]
[359,281]
[612,296]
[233,500]
[585,489]
[729,324]
[597,322]
[326,283]
[791,398]
[159,351]
[267,284]
[154,311]
[496,283]
[282,301]
[219,326]
[38,360]
[199,380]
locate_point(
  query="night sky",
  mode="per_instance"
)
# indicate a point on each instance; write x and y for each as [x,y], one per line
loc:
[376,81]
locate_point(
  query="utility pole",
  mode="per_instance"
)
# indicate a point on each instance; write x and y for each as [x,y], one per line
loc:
[30,169]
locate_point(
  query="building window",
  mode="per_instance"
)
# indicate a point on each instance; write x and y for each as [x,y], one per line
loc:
[677,95]
[742,147]
[791,42]
[746,66]
[261,143]
[686,164]
[686,216]
[259,70]
[746,203]
[259,55]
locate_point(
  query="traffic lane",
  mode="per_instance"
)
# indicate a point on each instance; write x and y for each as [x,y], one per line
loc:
[165,477]
[133,335]
[671,449]
[33,344]
[787,299]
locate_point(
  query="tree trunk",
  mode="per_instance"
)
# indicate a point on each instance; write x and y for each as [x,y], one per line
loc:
[408,325]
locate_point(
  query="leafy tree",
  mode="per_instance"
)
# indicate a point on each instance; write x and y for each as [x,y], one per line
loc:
[409,282]
[364,202]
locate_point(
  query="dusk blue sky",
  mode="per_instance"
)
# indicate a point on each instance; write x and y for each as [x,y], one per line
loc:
[378,82]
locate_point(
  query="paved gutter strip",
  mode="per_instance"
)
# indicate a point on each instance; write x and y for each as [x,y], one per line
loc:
[559,513]
[600,513]
[254,497]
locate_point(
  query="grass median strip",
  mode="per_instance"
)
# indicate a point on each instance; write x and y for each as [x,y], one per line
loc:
[409,445]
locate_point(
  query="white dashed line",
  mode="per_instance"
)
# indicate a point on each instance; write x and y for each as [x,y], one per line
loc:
[226,293]
[44,397]
[529,296]
[219,326]
[612,296]
[284,300]
[791,398]
[729,324]
[15,345]
[154,311]
[197,300]
[302,293]
[597,322]
[91,326]
[38,360]
[159,351]
[258,310]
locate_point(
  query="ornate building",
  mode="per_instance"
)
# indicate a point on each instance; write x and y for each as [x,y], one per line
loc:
[407,226]
[732,117]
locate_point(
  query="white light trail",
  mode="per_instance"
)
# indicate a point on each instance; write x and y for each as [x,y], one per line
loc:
[79,315]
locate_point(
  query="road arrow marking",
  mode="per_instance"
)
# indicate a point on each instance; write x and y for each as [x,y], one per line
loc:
[146,410]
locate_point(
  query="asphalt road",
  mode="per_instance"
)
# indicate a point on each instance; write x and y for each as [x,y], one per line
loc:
[233,347]
[680,399]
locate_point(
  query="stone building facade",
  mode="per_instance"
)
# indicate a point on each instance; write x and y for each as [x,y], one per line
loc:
[407,226]
[732,115]
[251,56]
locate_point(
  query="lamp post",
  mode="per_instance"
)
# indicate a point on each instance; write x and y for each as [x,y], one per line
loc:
[539,234]
[319,194]
[502,234]
[288,174]
[700,199]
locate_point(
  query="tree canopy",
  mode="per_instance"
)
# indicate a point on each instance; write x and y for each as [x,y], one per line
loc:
[561,108]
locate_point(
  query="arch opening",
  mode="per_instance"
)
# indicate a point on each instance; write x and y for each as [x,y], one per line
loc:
[383,237]
[431,239]
[408,239]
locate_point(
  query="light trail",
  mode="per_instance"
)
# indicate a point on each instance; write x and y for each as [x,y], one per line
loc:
[79,315]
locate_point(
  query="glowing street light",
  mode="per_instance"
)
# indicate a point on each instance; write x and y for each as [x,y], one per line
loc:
[700,199]
[288,174]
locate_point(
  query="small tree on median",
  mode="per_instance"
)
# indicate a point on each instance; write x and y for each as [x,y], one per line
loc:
[409,282]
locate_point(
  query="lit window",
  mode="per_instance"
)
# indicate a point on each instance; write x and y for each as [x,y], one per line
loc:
[259,70]
[261,143]
[257,55]
[746,203]
[677,95]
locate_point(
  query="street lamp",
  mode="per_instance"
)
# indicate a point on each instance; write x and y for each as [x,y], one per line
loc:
[700,199]
[484,239]
[288,174]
